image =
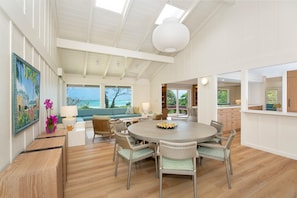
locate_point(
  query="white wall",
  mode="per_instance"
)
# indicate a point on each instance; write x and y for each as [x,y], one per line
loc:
[243,35]
[271,132]
[256,94]
[25,33]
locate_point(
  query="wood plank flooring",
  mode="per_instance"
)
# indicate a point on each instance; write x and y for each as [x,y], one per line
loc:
[256,174]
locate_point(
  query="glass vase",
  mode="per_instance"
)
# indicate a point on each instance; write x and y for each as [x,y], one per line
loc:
[50,129]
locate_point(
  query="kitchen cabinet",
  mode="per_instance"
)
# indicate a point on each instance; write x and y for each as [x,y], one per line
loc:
[291,91]
[230,117]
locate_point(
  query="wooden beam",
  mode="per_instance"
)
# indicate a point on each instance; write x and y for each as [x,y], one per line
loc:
[89,47]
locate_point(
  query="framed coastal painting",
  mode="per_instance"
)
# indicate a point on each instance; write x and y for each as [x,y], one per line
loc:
[25,94]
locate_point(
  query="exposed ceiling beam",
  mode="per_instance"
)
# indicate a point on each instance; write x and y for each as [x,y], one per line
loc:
[107,66]
[125,68]
[86,63]
[123,22]
[89,47]
[88,36]
[194,4]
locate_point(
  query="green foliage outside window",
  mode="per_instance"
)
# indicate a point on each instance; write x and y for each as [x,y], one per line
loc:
[271,96]
[183,100]
[171,98]
[223,96]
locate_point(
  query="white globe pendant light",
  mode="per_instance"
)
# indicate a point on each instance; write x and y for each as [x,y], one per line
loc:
[170,36]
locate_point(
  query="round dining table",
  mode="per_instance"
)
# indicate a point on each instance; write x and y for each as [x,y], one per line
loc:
[184,131]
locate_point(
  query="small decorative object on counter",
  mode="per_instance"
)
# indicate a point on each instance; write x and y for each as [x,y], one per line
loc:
[51,120]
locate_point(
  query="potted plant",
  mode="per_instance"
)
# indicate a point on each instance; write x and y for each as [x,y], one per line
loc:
[51,120]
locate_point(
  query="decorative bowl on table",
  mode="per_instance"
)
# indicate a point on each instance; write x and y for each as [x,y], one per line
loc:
[166,125]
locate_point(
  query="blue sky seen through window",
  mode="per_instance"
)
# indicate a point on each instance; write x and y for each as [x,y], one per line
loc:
[89,96]
[83,96]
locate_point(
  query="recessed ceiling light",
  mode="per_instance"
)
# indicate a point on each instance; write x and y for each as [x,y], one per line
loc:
[112,5]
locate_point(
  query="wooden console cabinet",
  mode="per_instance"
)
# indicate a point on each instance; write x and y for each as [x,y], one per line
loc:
[51,143]
[34,174]
[230,118]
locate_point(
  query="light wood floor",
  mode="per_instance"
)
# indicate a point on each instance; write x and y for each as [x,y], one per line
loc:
[256,174]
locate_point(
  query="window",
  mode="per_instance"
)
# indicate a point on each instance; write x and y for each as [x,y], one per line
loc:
[271,96]
[169,11]
[117,96]
[177,102]
[85,97]
[112,5]
[223,96]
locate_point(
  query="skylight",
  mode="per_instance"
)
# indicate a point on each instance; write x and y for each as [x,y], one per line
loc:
[112,5]
[169,11]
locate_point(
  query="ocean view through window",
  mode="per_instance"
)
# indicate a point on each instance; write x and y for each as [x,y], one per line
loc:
[85,97]
[117,96]
[88,96]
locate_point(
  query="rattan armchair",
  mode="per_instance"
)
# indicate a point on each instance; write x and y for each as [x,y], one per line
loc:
[101,126]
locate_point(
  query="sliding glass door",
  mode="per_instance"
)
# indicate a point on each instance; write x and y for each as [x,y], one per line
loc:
[177,102]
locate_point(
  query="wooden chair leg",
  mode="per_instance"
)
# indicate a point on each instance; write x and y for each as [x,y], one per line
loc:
[114,150]
[93,138]
[116,166]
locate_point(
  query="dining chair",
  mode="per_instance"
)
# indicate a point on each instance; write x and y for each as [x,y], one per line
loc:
[179,159]
[219,152]
[131,153]
[101,126]
[219,126]
[120,127]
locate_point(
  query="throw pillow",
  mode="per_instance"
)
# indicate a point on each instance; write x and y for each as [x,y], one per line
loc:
[136,110]
[129,110]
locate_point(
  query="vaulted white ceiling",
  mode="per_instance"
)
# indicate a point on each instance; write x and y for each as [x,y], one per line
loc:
[94,41]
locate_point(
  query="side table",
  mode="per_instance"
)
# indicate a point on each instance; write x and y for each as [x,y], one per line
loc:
[77,136]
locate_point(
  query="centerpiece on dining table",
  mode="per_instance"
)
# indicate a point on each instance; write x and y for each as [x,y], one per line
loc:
[166,125]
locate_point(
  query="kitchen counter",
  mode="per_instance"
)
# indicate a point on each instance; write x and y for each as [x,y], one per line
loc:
[228,106]
[237,106]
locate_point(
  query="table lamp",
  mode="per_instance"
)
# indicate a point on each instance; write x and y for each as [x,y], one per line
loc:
[145,108]
[69,112]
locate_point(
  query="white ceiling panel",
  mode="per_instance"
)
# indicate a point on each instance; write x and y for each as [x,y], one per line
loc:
[81,21]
